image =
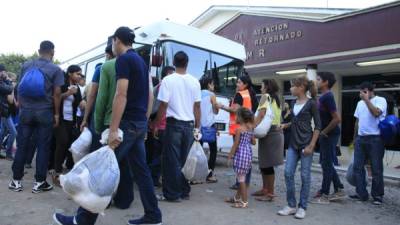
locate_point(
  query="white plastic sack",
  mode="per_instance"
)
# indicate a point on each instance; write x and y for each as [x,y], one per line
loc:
[104,136]
[93,180]
[81,146]
[196,165]
[265,125]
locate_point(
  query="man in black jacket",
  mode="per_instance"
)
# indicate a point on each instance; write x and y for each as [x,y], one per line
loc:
[7,124]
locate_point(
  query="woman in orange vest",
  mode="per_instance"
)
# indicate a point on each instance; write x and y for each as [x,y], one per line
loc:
[245,97]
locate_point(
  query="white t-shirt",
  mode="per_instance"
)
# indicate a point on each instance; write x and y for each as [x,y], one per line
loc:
[207,113]
[180,92]
[368,123]
[67,108]
[297,108]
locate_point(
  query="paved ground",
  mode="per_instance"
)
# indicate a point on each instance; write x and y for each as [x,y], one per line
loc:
[205,207]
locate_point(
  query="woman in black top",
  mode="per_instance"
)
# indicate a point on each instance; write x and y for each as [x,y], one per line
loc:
[68,129]
[302,143]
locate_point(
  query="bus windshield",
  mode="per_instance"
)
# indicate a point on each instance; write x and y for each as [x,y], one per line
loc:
[223,69]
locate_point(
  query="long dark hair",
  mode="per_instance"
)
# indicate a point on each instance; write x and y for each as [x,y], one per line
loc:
[308,84]
[71,69]
[272,89]
[247,81]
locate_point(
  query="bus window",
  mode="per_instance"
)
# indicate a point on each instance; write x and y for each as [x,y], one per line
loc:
[225,73]
[199,60]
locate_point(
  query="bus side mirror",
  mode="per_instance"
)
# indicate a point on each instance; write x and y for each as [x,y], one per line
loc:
[156,56]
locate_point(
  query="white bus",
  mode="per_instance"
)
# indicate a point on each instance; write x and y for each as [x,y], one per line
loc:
[209,54]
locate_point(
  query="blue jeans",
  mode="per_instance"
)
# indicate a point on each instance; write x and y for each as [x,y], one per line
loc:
[131,155]
[292,157]
[327,152]
[178,140]
[371,148]
[7,125]
[41,122]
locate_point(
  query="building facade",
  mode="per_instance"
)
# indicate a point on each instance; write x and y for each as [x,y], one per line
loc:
[281,43]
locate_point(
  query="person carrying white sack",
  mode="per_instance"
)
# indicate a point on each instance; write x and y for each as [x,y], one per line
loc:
[129,114]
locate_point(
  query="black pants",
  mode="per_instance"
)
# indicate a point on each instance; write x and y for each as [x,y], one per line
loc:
[63,142]
[213,157]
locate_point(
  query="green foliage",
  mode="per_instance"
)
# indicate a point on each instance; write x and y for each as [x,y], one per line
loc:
[14,61]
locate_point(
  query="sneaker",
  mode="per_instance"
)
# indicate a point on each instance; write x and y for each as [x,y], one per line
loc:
[287,211]
[3,154]
[324,200]
[318,194]
[161,198]
[28,166]
[338,195]
[377,201]
[64,220]
[15,185]
[39,187]
[357,198]
[300,214]
[143,221]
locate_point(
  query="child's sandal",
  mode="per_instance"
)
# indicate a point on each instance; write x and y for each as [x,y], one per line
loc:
[232,200]
[240,205]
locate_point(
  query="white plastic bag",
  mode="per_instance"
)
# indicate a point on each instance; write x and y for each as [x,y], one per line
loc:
[265,125]
[104,136]
[93,180]
[81,146]
[196,165]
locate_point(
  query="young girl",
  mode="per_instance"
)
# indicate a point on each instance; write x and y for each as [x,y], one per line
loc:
[242,155]
[302,143]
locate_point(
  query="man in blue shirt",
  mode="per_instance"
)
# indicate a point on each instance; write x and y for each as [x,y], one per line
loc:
[38,115]
[129,114]
[329,137]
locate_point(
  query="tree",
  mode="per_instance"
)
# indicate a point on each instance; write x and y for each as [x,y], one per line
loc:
[14,61]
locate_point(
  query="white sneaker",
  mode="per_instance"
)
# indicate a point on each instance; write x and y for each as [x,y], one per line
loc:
[300,214]
[287,211]
[15,185]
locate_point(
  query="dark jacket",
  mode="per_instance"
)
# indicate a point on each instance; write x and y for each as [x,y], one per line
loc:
[6,89]
[301,131]
[75,104]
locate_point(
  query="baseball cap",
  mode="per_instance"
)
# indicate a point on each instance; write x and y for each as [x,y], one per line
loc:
[2,68]
[125,34]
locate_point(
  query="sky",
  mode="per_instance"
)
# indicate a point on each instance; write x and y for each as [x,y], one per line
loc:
[75,26]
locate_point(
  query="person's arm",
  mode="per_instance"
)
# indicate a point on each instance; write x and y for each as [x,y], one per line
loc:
[71,91]
[151,99]
[317,127]
[118,108]
[150,104]
[336,119]
[235,144]
[214,104]
[57,102]
[5,88]
[90,102]
[373,109]
[197,114]
[161,112]
[101,101]
[262,110]
[355,130]
[237,102]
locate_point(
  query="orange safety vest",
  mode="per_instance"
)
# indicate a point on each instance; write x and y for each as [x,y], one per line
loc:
[232,117]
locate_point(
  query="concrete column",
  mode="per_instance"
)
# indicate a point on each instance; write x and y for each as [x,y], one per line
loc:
[312,71]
